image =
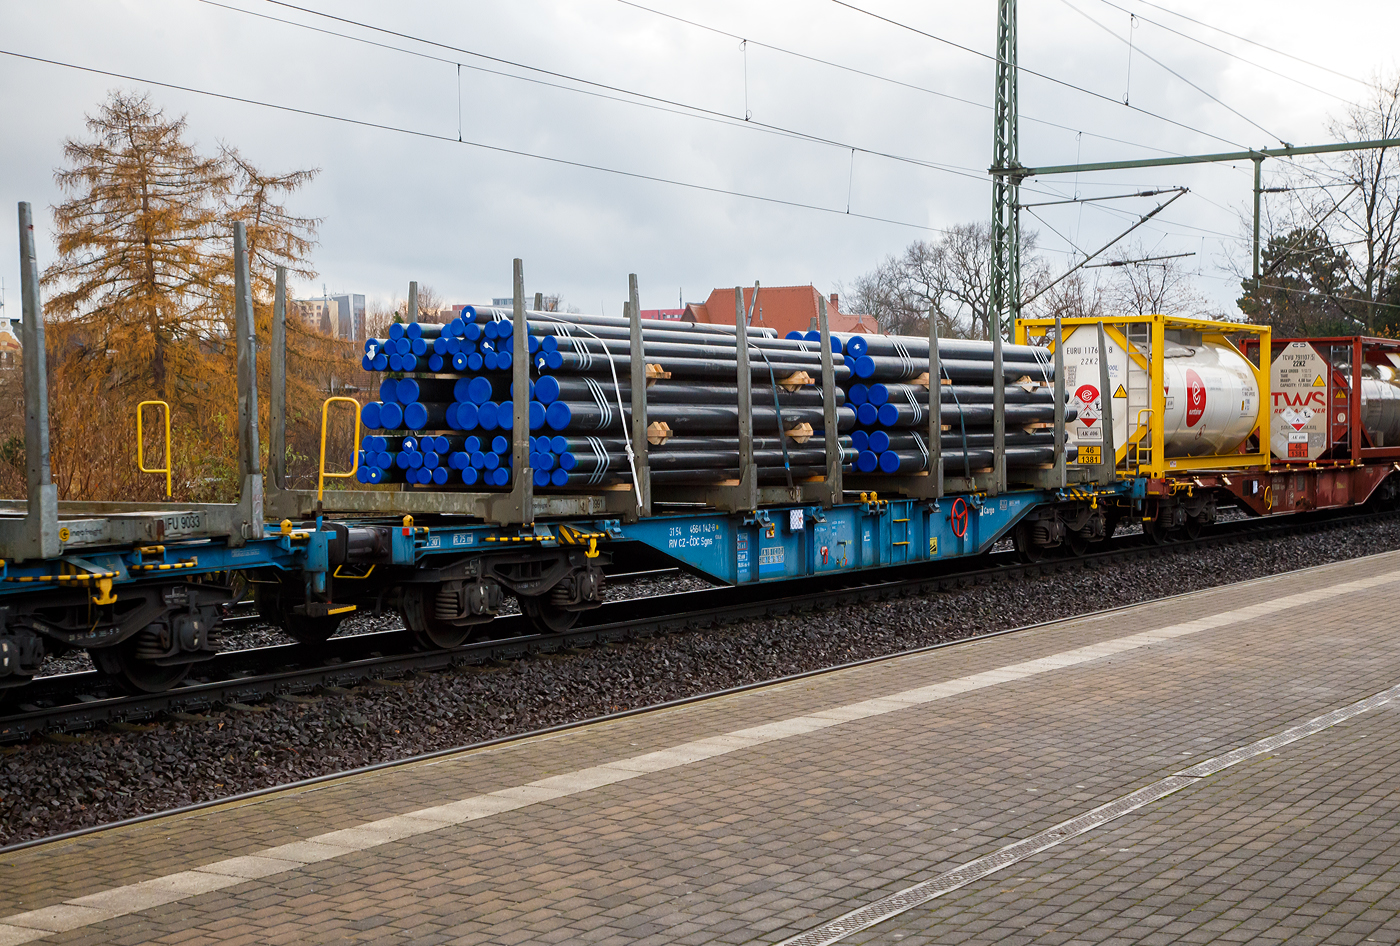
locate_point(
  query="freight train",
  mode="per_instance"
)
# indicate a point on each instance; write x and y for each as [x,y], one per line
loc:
[516,454]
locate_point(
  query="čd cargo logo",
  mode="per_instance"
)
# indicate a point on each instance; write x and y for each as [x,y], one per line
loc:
[1195,398]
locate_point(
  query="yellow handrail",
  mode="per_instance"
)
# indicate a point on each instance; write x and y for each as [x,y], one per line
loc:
[141,443]
[1146,433]
[354,445]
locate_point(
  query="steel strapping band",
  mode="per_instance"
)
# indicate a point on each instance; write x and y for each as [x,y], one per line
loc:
[914,403]
[585,355]
[600,469]
[908,367]
[1047,364]
[600,398]
[923,448]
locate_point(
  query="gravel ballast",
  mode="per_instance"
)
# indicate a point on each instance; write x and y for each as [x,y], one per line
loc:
[49,787]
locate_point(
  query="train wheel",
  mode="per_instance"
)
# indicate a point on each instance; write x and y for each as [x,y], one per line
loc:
[132,672]
[418,616]
[546,618]
[1026,548]
[1156,531]
[1076,544]
[1193,527]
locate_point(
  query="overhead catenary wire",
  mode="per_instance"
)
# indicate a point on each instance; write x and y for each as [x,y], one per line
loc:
[1245,39]
[1216,99]
[882,78]
[1298,242]
[1226,52]
[1039,75]
[669,106]
[1307,292]
[499,149]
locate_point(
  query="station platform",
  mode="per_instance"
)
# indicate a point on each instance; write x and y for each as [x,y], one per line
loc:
[1217,766]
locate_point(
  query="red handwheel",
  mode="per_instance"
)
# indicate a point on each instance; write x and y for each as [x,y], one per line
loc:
[958,517]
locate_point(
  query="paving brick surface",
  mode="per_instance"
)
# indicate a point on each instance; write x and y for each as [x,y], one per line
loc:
[766,841]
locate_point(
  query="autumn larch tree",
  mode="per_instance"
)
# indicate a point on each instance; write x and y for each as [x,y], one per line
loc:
[139,299]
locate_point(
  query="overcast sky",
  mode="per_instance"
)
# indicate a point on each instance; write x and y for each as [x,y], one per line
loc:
[398,206]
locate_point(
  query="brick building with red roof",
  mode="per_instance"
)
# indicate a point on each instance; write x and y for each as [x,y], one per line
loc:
[782,308]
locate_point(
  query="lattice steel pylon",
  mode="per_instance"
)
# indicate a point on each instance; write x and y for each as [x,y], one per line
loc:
[1006,188]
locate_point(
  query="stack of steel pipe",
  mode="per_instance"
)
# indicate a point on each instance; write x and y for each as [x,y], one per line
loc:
[449,396]
[581,462]
[456,379]
[890,393]
[445,408]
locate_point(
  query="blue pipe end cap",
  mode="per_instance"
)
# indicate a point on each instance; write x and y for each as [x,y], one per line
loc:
[478,390]
[547,389]
[558,415]
[867,414]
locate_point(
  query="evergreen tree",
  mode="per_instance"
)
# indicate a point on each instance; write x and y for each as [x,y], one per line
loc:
[1303,288]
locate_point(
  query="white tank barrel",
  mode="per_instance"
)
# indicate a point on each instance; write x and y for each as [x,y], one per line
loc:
[1212,400]
[1212,395]
[1380,404]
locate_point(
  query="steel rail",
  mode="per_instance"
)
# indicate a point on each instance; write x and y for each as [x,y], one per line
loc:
[302,784]
[83,700]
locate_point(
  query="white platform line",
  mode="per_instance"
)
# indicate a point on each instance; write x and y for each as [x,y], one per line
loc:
[132,898]
[886,908]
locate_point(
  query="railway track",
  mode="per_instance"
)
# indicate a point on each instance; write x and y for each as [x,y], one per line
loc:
[77,701]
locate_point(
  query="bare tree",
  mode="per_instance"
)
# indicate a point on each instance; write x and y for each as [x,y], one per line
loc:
[380,315]
[430,305]
[1344,208]
[1159,287]
[1074,297]
[952,276]
[1371,214]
